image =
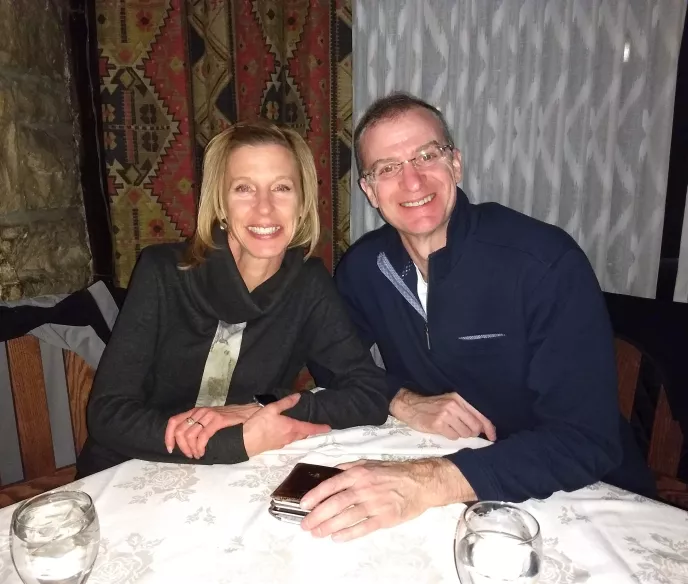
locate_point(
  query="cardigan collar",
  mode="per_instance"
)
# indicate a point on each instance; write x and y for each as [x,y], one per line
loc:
[220,289]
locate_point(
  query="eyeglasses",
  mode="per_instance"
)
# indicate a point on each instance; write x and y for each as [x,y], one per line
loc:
[426,158]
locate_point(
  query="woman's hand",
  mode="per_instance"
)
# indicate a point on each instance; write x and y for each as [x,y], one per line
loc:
[268,429]
[193,438]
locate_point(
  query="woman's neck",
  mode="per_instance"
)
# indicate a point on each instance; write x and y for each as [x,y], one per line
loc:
[254,271]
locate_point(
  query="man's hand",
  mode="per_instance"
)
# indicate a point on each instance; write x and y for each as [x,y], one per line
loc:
[268,429]
[371,495]
[192,439]
[448,415]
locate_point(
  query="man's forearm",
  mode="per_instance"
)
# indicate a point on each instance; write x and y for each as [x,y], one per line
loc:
[446,483]
[400,405]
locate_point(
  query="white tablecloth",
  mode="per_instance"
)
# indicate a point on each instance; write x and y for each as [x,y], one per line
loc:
[166,523]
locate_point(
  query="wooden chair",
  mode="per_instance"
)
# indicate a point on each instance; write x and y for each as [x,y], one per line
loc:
[665,440]
[33,422]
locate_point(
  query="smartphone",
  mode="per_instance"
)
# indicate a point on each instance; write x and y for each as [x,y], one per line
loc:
[288,515]
[286,498]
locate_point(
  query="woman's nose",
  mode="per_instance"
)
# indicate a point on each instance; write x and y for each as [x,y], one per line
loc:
[264,203]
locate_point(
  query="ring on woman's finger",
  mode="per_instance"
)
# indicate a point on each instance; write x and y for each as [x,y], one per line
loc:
[191,421]
[201,425]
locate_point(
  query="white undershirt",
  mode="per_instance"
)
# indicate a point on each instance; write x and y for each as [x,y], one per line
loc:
[422,290]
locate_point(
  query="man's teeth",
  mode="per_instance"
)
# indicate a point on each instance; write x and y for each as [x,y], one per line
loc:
[419,203]
[263,230]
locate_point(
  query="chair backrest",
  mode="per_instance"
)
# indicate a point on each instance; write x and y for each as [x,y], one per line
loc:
[665,440]
[34,409]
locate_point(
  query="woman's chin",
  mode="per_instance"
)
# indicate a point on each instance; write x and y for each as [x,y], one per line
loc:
[266,250]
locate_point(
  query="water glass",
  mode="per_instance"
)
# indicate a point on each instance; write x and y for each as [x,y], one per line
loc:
[497,543]
[54,538]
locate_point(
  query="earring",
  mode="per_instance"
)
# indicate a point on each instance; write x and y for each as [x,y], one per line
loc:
[223,224]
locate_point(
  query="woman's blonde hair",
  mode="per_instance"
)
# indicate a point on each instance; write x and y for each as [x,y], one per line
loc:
[212,209]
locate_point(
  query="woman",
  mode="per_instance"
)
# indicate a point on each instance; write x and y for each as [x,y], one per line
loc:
[236,312]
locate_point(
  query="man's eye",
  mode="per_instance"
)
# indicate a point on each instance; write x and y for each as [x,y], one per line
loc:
[428,156]
[387,169]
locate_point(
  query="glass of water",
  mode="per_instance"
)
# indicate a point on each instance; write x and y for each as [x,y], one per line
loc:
[497,543]
[54,538]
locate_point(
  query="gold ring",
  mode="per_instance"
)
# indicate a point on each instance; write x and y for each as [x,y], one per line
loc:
[190,421]
[201,425]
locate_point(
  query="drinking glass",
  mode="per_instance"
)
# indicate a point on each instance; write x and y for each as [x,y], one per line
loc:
[497,543]
[54,538]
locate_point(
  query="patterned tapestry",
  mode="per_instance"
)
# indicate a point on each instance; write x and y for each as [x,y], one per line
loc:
[287,61]
[173,73]
[145,111]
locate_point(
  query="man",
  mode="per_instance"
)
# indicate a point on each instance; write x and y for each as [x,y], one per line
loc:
[488,322]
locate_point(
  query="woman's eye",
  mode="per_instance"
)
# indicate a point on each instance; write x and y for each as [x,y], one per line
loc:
[242,189]
[283,188]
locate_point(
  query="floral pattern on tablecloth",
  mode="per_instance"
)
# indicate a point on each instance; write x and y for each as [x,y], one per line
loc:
[236,544]
[201,514]
[173,481]
[6,566]
[275,554]
[407,559]
[264,476]
[392,427]
[569,515]
[613,493]
[125,563]
[557,567]
[664,561]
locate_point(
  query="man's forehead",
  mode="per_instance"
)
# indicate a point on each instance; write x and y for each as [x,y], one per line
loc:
[402,133]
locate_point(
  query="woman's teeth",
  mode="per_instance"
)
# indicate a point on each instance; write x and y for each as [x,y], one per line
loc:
[263,230]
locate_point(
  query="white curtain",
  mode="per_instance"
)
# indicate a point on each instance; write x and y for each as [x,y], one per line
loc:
[681,288]
[562,110]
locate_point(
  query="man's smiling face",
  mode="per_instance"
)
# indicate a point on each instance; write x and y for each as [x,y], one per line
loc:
[417,202]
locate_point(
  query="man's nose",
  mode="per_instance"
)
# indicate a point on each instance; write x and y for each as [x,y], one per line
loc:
[411,178]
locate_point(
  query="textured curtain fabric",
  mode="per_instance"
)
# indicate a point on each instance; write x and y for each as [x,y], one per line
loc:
[287,61]
[562,110]
[681,289]
[173,73]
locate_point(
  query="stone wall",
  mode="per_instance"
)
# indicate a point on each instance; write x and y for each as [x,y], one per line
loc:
[43,241]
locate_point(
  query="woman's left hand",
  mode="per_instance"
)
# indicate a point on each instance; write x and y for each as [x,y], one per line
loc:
[192,438]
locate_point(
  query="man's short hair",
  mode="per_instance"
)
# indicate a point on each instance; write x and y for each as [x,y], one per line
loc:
[390,107]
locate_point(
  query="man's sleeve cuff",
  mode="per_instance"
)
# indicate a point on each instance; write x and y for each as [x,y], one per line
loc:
[394,384]
[478,473]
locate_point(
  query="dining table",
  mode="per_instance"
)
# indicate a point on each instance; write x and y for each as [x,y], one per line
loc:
[194,523]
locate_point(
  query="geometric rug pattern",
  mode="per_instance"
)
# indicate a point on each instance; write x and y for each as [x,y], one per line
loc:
[173,73]
[145,114]
[289,62]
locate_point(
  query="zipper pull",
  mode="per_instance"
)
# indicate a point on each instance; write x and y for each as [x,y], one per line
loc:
[427,335]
